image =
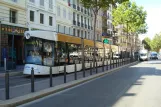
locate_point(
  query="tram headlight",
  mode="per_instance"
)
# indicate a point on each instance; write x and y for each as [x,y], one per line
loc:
[27,35]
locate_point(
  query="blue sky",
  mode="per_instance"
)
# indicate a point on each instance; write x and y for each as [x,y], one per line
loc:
[153,8]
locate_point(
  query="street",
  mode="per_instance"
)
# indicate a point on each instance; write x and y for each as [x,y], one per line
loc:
[135,86]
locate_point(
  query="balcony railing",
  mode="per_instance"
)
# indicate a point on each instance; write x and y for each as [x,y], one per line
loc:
[78,23]
[78,8]
[74,6]
[74,22]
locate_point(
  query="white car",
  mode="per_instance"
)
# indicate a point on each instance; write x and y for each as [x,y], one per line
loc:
[116,56]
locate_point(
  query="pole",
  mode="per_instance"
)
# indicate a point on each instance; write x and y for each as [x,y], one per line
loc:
[91,68]
[12,47]
[0,42]
[32,80]
[51,81]
[5,65]
[83,66]
[65,74]
[75,73]
[7,85]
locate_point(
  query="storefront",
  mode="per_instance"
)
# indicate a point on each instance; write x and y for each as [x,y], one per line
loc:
[7,34]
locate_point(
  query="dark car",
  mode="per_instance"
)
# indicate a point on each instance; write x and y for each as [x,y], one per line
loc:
[154,56]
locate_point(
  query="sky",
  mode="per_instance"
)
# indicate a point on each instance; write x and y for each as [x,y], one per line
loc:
[153,8]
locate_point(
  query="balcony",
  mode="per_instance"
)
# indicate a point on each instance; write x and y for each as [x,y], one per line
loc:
[78,8]
[74,6]
[74,22]
[82,24]
[78,23]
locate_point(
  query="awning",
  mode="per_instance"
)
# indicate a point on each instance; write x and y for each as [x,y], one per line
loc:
[88,43]
[68,39]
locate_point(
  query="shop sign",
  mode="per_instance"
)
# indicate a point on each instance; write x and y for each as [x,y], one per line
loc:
[9,29]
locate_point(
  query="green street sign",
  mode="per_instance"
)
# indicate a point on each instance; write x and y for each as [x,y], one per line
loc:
[106,41]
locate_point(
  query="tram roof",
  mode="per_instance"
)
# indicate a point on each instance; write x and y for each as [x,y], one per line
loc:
[48,35]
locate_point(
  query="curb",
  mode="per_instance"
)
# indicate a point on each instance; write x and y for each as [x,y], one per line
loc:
[36,95]
[15,73]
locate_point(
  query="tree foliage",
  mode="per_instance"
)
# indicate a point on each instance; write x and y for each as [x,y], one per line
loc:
[147,43]
[131,16]
[154,44]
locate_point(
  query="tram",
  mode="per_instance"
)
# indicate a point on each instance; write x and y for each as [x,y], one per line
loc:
[44,49]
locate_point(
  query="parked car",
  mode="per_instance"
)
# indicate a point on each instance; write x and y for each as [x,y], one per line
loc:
[116,56]
[154,55]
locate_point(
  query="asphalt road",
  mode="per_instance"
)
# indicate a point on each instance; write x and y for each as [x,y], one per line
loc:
[135,86]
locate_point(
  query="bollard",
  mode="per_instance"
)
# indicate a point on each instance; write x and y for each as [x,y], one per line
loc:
[32,80]
[103,66]
[107,65]
[91,68]
[51,77]
[7,84]
[116,62]
[65,74]
[75,69]
[110,63]
[96,67]
[113,63]
[5,65]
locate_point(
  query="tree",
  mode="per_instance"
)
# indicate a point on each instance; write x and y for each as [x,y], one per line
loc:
[156,43]
[132,17]
[147,43]
[95,6]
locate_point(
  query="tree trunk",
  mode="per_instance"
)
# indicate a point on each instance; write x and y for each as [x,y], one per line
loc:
[94,39]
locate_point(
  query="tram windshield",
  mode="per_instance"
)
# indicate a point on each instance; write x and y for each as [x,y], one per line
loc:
[39,51]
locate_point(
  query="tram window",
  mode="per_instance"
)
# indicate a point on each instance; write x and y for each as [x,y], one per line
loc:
[33,51]
[47,53]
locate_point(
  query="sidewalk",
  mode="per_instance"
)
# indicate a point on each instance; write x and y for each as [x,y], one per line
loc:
[17,71]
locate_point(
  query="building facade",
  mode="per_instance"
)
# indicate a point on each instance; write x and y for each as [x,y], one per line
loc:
[41,15]
[12,28]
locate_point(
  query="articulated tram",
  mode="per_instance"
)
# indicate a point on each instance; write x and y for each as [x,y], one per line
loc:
[44,49]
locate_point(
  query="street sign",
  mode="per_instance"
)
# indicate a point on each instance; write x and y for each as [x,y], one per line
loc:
[106,41]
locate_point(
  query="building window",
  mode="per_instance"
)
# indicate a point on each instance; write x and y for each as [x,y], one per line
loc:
[41,18]
[64,29]
[14,0]
[32,16]
[82,34]
[58,27]
[78,33]
[85,34]
[33,1]
[64,13]
[42,2]
[13,15]
[51,4]
[74,32]
[50,20]
[58,11]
